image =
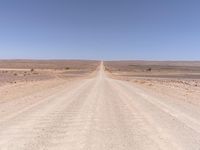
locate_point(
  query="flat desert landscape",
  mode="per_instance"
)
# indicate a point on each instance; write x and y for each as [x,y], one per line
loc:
[99,105]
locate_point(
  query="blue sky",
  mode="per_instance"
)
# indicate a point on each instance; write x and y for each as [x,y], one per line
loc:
[100,29]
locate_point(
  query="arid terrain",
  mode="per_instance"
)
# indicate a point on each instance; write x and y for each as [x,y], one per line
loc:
[172,78]
[13,71]
[92,105]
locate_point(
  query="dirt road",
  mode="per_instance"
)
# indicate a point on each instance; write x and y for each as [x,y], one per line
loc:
[102,114]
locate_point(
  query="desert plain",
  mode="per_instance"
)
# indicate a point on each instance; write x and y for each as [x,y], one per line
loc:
[99,105]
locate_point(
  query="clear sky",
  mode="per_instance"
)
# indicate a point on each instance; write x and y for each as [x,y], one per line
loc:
[100,29]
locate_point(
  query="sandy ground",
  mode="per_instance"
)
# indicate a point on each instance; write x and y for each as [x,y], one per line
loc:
[99,113]
[17,71]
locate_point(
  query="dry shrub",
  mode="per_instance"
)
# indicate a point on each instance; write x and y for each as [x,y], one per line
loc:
[67,68]
[142,82]
[150,84]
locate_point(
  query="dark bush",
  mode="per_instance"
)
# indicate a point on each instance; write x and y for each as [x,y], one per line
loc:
[149,69]
[67,68]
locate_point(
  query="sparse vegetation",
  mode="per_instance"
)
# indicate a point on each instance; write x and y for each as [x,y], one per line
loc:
[67,68]
[149,69]
[107,69]
[32,69]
